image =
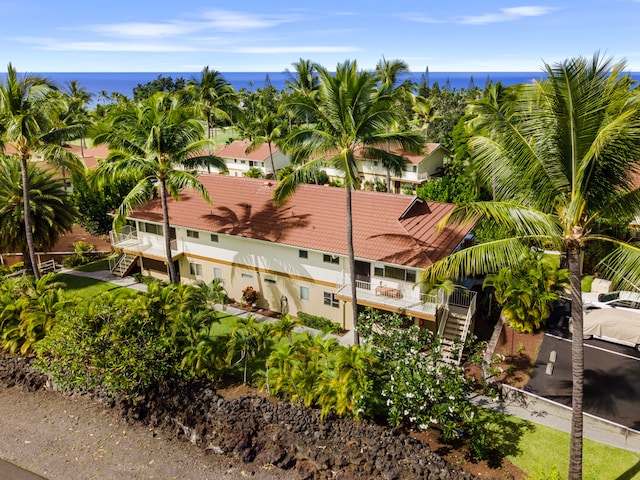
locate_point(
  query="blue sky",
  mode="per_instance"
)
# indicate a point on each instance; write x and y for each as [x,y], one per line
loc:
[180,36]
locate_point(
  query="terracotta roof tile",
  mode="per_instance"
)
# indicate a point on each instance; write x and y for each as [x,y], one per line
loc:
[237,150]
[314,218]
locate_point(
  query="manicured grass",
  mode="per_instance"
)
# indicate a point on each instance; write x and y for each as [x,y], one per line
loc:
[98,265]
[84,287]
[538,449]
[222,136]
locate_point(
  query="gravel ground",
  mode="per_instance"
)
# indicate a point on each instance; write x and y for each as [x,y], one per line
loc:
[63,437]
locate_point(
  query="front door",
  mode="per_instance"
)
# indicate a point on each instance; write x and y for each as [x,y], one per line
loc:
[363,272]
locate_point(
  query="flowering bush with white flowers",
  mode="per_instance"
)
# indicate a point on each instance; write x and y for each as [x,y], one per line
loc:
[419,389]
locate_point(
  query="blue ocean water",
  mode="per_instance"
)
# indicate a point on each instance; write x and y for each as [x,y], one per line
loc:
[125,82]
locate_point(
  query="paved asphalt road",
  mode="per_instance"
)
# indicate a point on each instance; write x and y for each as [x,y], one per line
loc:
[8,471]
[611,377]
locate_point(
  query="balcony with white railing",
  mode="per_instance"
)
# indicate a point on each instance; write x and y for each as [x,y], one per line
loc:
[393,297]
[131,241]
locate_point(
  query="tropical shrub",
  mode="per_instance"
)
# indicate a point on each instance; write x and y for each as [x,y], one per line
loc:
[319,323]
[250,296]
[107,341]
[418,387]
[320,373]
[528,291]
[29,310]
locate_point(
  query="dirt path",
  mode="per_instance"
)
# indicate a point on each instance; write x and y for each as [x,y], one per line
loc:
[62,437]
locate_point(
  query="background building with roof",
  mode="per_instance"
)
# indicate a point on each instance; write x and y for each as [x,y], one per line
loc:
[239,161]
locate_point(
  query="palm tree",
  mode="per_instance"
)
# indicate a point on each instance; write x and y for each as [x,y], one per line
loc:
[267,128]
[52,210]
[305,80]
[560,156]
[152,143]
[351,116]
[215,97]
[424,112]
[389,72]
[27,109]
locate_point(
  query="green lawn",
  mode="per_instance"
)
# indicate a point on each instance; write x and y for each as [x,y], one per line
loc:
[84,287]
[538,449]
[98,265]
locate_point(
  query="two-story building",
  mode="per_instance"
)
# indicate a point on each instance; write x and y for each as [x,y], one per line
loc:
[418,170]
[296,255]
[239,161]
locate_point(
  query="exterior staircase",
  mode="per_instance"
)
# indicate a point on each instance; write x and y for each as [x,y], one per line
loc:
[123,264]
[454,325]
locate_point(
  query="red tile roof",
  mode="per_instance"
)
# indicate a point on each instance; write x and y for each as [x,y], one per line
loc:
[412,158]
[237,150]
[91,154]
[389,228]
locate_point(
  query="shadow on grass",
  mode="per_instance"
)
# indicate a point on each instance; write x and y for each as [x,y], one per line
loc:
[509,431]
[630,473]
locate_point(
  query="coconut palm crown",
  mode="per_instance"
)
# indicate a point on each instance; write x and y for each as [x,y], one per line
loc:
[351,121]
[559,154]
[155,143]
[28,110]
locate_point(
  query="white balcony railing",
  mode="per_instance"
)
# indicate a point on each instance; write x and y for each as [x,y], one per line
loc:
[393,297]
[152,245]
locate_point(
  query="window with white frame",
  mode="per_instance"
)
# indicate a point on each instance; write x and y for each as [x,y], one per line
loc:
[195,269]
[303,254]
[330,300]
[214,237]
[304,293]
[193,234]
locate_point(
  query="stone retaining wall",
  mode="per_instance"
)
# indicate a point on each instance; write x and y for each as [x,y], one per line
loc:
[257,429]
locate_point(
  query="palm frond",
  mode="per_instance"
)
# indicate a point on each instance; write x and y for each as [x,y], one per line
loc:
[477,260]
[303,174]
[138,195]
[525,221]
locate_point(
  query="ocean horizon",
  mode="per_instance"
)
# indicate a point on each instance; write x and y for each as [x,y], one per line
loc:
[97,83]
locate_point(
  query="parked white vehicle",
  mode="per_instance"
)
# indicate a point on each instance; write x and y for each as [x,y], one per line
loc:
[612,325]
[622,300]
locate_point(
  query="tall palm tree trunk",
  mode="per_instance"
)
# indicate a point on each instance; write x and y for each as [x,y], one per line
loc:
[28,231]
[577,364]
[173,276]
[352,268]
[273,165]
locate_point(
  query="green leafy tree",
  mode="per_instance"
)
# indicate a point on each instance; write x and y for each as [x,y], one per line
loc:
[350,113]
[163,84]
[560,156]
[154,143]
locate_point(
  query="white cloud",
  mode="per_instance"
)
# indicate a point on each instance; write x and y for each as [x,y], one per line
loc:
[43,43]
[420,18]
[143,29]
[505,15]
[230,21]
[297,49]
